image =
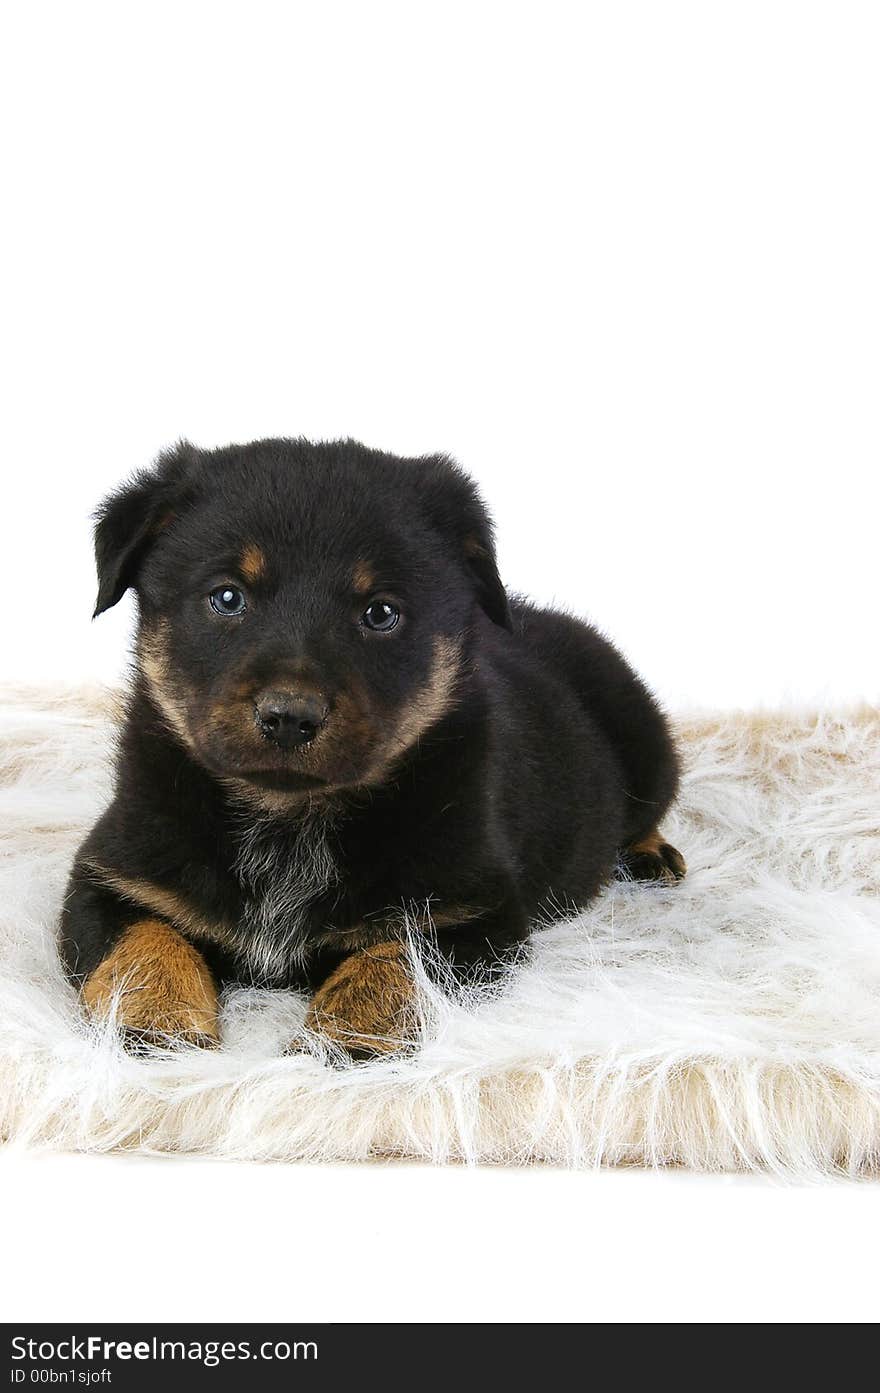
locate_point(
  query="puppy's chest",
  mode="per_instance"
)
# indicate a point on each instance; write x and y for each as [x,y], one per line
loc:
[284,875]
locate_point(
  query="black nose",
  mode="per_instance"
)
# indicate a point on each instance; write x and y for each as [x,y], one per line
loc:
[289,718]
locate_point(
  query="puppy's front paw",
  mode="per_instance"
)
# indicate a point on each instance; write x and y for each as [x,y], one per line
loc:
[159,987]
[367,1005]
[652,858]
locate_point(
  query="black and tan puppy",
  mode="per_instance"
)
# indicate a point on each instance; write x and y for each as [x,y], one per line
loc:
[339,725]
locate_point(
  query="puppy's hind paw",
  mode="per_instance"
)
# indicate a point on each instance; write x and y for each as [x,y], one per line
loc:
[652,859]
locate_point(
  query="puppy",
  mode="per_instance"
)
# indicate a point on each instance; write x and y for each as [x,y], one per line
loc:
[342,731]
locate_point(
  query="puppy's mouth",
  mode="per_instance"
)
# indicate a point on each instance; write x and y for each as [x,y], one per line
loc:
[254,760]
[285,743]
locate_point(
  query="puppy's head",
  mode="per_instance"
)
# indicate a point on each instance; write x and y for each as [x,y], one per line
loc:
[304,609]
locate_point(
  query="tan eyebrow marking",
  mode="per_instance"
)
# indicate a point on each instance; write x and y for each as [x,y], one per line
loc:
[252,563]
[363,578]
[167,903]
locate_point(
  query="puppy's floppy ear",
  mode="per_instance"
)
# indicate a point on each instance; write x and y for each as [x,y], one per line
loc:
[130,519]
[479,550]
[458,510]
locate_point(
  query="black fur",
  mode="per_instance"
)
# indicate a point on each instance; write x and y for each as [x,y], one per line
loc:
[532,754]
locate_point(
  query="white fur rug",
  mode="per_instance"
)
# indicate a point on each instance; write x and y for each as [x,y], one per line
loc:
[732,1022]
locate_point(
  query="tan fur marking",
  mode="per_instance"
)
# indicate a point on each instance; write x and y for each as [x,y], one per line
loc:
[350,729]
[162,984]
[155,665]
[363,578]
[664,862]
[166,902]
[252,564]
[367,1004]
[350,726]
[425,709]
[649,845]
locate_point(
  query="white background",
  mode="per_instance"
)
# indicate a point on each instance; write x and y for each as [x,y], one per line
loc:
[621,260]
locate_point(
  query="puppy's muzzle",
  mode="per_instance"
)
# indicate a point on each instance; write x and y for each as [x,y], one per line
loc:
[290,718]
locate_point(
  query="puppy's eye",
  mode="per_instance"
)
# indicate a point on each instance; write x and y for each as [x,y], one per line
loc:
[228,600]
[380,616]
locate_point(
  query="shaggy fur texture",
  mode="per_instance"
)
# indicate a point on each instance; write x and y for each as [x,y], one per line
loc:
[732,1022]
